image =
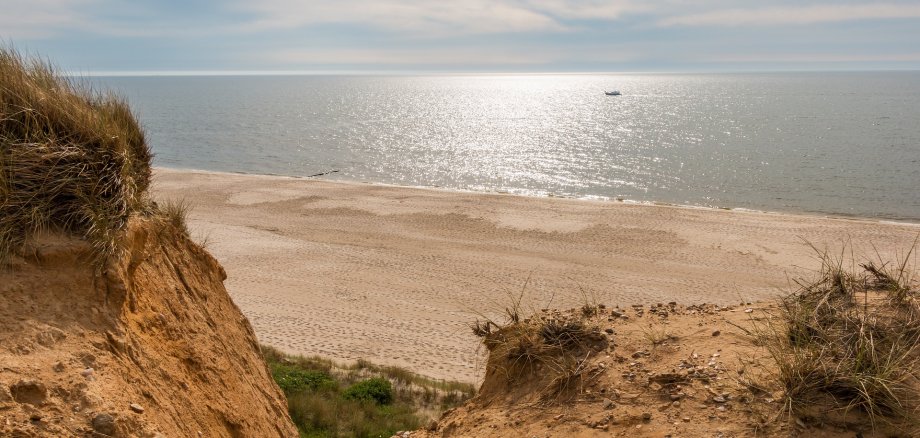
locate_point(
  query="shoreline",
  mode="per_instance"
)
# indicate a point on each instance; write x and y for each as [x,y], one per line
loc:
[588,198]
[394,275]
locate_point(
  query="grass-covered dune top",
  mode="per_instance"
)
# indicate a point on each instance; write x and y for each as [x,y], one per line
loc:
[71,159]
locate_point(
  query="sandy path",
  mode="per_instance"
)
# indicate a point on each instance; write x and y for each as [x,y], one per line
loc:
[393,274]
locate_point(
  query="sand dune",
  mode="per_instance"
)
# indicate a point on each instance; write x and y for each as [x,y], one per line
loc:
[394,274]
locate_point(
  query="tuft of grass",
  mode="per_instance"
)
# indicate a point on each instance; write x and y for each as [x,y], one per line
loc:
[176,212]
[848,342]
[377,400]
[71,159]
[550,352]
[658,334]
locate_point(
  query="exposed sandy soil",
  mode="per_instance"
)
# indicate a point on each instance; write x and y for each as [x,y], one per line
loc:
[151,347]
[394,274]
[662,370]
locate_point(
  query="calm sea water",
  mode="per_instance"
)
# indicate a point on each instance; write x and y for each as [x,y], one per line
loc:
[832,143]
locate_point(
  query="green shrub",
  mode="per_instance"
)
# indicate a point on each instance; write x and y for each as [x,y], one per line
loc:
[375,389]
[293,380]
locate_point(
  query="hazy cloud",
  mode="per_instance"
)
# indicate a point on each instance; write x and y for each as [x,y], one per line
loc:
[39,18]
[796,15]
[402,16]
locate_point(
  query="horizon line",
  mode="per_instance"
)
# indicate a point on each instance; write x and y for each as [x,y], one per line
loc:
[187,73]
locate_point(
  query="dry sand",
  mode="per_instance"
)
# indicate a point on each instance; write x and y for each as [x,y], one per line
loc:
[395,274]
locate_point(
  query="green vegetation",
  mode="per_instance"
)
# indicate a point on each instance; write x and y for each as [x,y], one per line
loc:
[71,159]
[294,379]
[375,389]
[326,399]
[848,343]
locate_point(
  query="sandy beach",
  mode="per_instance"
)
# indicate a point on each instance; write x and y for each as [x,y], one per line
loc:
[395,274]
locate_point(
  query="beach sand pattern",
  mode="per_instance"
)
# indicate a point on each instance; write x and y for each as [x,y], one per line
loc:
[394,274]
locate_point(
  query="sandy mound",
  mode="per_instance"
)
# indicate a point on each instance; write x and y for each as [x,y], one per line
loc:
[664,370]
[152,346]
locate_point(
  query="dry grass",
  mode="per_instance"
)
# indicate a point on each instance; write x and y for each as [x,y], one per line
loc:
[548,351]
[71,159]
[176,214]
[848,344]
[657,334]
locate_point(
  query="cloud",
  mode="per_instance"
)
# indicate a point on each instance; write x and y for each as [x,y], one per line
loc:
[39,18]
[436,18]
[406,17]
[606,10]
[795,15]
[816,57]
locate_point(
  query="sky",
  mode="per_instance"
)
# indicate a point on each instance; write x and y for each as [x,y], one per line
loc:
[208,36]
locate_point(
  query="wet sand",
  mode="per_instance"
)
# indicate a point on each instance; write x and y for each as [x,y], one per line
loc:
[395,274]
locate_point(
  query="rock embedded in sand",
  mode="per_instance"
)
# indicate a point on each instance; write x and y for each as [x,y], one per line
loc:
[137,408]
[104,424]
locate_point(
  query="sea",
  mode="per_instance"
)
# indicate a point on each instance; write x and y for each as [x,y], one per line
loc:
[826,143]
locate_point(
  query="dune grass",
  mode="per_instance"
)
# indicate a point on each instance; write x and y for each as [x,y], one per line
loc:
[71,159]
[326,399]
[549,351]
[848,343]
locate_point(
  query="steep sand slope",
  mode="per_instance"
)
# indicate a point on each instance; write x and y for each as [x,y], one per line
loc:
[151,347]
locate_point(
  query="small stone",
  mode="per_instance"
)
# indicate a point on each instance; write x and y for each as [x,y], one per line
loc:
[716,333]
[558,417]
[137,408]
[433,425]
[686,419]
[59,367]
[748,310]
[646,416]
[609,331]
[89,374]
[104,424]
[675,403]
[36,416]
[609,404]
[719,399]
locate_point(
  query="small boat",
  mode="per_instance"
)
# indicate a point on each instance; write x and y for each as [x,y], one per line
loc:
[613,93]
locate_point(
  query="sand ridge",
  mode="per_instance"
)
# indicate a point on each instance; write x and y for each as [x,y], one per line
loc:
[394,274]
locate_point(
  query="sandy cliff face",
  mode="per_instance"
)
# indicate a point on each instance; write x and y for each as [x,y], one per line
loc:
[153,346]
